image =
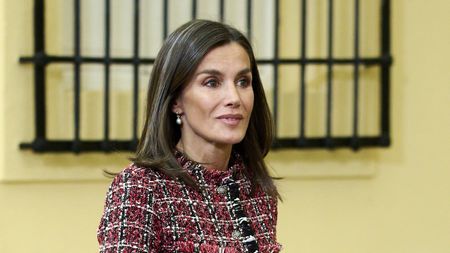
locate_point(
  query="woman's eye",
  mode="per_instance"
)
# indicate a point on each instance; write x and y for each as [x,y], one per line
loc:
[244,82]
[211,83]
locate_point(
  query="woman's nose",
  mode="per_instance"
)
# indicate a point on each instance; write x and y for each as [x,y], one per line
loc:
[232,96]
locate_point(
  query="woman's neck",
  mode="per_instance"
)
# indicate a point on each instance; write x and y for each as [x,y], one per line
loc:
[211,156]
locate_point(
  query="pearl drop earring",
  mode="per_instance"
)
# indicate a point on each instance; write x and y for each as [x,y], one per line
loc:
[178,120]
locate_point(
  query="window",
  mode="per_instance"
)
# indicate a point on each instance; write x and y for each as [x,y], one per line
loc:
[328,87]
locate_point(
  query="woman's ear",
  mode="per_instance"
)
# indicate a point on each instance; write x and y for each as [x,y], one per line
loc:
[176,107]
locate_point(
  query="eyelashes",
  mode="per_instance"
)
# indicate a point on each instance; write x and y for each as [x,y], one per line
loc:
[215,82]
[211,82]
[244,82]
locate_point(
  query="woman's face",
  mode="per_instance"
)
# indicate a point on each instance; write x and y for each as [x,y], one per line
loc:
[217,102]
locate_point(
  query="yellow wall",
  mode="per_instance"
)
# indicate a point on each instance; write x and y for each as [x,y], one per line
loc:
[379,200]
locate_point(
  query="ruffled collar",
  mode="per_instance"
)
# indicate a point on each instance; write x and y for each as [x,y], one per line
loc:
[235,169]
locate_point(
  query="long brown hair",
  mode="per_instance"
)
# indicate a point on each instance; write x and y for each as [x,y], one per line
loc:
[175,64]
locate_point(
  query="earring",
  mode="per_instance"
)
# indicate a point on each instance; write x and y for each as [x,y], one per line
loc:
[178,120]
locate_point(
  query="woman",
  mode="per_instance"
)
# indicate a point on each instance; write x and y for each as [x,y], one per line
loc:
[198,182]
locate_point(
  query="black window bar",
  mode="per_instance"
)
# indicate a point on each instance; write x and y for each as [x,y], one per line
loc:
[41,60]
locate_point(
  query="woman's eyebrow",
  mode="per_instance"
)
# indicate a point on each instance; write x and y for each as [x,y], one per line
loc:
[244,71]
[218,73]
[209,72]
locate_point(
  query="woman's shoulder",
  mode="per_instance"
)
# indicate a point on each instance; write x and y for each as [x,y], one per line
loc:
[135,183]
[136,175]
[137,171]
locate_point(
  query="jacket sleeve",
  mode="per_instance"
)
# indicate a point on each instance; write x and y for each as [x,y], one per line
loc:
[127,223]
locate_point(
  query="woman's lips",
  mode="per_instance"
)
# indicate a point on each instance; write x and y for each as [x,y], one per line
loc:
[231,119]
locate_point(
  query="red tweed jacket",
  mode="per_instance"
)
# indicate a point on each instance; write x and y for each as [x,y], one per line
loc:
[148,211]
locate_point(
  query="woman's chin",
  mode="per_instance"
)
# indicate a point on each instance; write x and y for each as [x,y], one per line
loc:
[231,140]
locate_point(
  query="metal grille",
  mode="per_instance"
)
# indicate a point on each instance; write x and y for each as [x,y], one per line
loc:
[41,60]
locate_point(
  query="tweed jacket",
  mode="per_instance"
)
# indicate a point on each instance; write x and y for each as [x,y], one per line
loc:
[149,211]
